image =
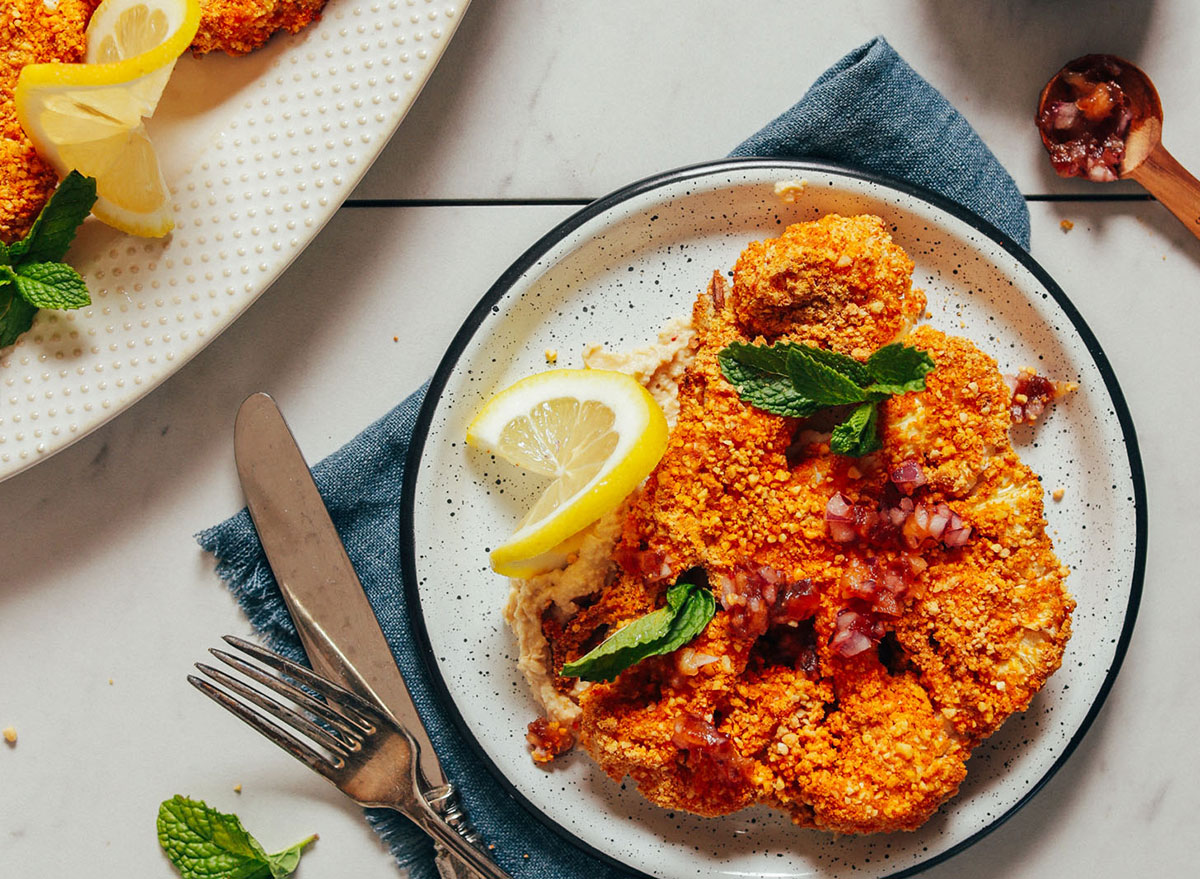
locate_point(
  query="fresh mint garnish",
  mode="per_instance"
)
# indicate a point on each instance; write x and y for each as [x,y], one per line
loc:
[690,605]
[898,369]
[799,380]
[857,435]
[203,843]
[16,315]
[31,274]
[48,284]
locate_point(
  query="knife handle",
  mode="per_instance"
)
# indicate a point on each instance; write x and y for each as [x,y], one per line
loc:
[444,801]
[451,866]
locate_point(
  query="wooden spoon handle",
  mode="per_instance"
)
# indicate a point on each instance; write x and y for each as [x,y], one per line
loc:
[1171,184]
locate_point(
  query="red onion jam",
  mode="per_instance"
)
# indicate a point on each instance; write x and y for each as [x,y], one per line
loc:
[881,523]
[1085,119]
[758,598]
[708,748]
[1031,394]
[648,564]
[856,630]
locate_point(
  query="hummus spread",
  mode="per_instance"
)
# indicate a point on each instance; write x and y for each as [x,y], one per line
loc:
[659,367]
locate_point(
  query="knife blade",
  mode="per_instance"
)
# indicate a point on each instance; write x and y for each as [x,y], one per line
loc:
[335,621]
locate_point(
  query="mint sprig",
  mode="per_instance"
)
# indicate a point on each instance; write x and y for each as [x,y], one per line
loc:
[203,843]
[800,380]
[690,605]
[32,275]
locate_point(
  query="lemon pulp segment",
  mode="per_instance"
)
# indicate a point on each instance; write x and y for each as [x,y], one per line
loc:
[595,434]
[88,117]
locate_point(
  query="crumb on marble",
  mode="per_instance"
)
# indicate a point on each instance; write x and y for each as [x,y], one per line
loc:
[1058,493]
[1066,225]
[237,788]
[10,735]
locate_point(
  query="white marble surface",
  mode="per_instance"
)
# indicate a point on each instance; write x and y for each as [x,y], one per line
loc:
[99,576]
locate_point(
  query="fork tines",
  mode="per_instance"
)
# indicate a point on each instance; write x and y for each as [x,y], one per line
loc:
[339,721]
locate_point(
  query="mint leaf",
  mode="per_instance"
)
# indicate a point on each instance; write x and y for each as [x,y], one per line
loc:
[759,374]
[898,369]
[49,285]
[843,363]
[799,380]
[817,381]
[16,315]
[284,863]
[203,843]
[690,605]
[54,229]
[858,435]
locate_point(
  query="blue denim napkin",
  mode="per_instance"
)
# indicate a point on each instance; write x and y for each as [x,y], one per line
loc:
[870,109]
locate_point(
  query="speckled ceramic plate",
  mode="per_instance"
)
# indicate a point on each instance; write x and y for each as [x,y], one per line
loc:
[614,273]
[260,151]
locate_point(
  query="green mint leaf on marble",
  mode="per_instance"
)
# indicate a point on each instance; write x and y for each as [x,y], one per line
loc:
[16,315]
[48,284]
[54,229]
[690,605]
[898,369]
[203,843]
[858,435]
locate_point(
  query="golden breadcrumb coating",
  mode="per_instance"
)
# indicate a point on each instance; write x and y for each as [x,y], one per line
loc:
[756,710]
[837,283]
[31,33]
[241,26]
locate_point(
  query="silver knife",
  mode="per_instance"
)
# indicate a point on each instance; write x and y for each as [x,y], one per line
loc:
[335,621]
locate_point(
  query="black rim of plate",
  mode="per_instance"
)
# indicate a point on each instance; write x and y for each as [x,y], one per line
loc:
[705,169]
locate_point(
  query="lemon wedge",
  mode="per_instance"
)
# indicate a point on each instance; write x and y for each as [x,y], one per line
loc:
[88,117]
[595,434]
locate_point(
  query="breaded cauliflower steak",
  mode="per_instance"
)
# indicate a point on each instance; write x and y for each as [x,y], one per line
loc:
[238,27]
[761,708]
[31,33]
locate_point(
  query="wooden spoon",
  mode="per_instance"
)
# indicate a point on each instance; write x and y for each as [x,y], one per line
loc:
[1145,159]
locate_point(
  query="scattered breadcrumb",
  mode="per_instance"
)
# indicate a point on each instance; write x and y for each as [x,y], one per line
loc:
[110,680]
[1067,225]
[237,788]
[788,190]
[551,355]
[10,735]
[1058,493]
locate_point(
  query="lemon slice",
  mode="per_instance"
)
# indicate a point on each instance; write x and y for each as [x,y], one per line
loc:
[595,434]
[88,117]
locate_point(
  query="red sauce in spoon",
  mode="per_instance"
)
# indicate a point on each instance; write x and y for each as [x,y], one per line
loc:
[1085,119]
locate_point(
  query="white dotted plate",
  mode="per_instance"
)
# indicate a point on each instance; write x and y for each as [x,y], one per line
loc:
[614,273]
[260,151]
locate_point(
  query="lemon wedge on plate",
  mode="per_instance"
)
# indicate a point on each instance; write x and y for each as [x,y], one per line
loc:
[593,433]
[88,117]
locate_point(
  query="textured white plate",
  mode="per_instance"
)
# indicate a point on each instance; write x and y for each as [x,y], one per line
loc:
[613,274]
[260,152]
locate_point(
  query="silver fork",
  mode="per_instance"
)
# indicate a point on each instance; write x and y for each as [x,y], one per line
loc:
[366,755]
